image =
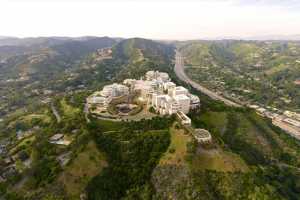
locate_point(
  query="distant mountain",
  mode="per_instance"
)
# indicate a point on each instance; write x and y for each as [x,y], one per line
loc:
[275,37]
[36,57]
[81,46]
[47,57]
[12,41]
[63,45]
[42,41]
[5,37]
[258,38]
[136,49]
[140,55]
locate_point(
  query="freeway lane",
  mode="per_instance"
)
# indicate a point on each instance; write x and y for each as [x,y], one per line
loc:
[179,71]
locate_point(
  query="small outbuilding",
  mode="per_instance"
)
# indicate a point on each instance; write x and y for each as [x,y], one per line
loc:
[56,137]
[202,136]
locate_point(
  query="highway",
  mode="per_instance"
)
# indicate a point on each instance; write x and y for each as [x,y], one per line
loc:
[179,71]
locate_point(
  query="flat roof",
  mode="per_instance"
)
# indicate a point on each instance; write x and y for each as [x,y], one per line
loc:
[170,83]
[181,97]
[201,133]
[57,137]
[180,88]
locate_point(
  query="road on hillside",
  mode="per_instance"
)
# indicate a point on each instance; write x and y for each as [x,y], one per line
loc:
[55,112]
[179,71]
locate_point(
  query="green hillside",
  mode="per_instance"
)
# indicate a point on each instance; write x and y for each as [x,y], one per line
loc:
[141,55]
[265,70]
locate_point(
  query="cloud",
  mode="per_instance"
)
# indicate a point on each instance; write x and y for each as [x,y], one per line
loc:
[292,5]
[167,19]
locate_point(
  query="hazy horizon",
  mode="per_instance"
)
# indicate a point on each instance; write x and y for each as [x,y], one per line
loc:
[163,20]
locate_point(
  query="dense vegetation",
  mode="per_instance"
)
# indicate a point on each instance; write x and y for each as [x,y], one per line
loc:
[132,153]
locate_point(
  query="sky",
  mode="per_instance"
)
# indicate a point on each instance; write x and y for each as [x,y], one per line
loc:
[155,19]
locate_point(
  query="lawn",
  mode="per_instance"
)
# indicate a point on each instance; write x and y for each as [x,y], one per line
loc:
[177,150]
[107,125]
[79,172]
[217,159]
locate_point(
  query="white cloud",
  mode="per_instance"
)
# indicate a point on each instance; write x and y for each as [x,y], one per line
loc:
[151,19]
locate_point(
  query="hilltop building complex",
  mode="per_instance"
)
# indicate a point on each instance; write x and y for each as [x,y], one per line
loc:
[154,91]
[162,94]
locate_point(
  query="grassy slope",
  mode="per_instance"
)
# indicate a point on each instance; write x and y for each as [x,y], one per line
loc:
[175,155]
[250,138]
[171,177]
[218,160]
[196,53]
[79,172]
[251,128]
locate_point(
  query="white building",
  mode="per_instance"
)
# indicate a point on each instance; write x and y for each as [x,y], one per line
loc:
[146,88]
[129,82]
[184,102]
[168,86]
[184,120]
[100,102]
[170,106]
[101,99]
[254,106]
[156,75]
[177,91]
[166,104]
[292,122]
[293,115]
[166,98]
[114,90]
[202,136]
[157,90]
[195,101]
[163,77]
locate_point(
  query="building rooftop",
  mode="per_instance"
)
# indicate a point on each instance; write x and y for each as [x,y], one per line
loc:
[170,83]
[292,121]
[180,88]
[97,99]
[201,133]
[57,137]
[194,98]
[181,97]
